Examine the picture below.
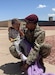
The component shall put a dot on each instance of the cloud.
(53, 9)
(51, 15)
(41, 6)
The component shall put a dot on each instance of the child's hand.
(12, 40)
(15, 39)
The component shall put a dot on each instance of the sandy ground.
(8, 64)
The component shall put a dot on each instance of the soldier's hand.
(45, 50)
(25, 67)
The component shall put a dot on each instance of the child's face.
(31, 26)
(16, 25)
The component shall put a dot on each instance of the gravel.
(51, 58)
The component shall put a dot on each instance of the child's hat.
(32, 18)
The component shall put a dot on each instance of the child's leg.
(13, 51)
(22, 56)
(16, 43)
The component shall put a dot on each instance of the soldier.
(34, 40)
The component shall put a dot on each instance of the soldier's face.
(31, 26)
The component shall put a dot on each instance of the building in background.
(50, 18)
(7, 23)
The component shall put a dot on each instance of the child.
(33, 39)
(14, 36)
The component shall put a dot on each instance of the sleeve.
(10, 33)
(45, 50)
(41, 37)
(32, 56)
(34, 52)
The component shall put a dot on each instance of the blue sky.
(21, 8)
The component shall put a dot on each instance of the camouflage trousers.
(13, 51)
(25, 48)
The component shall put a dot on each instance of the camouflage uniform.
(36, 41)
(35, 38)
(13, 51)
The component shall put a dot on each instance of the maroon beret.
(32, 18)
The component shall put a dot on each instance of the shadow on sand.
(11, 68)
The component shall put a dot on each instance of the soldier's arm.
(41, 37)
(34, 52)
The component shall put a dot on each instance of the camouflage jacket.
(36, 38)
